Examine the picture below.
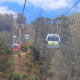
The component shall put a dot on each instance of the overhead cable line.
(68, 11)
(72, 7)
(23, 10)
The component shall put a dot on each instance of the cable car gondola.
(14, 37)
(27, 36)
(15, 47)
(53, 41)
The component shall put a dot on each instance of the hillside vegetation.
(36, 61)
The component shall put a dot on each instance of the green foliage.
(51, 72)
(35, 71)
(35, 53)
(27, 53)
(30, 64)
(24, 76)
(77, 78)
(36, 63)
(36, 66)
(6, 22)
(16, 76)
(6, 39)
(35, 78)
(28, 69)
(19, 18)
(22, 65)
(4, 49)
(28, 56)
(5, 63)
(16, 52)
(1, 73)
(8, 63)
(41, 69)
(24, 48)
(19, 55)
(10, 77)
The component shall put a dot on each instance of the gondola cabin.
(14, 37)
(15, 47)
(27, 36)
(53, 41)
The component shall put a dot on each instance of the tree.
(19, 17)
(6, 39)
(5, 62)
(35, 78)
(24, 76)
(6, 21)
(16, 76)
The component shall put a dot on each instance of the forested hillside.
(65, 60)
(57, 64)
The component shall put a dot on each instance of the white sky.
(4, 9)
